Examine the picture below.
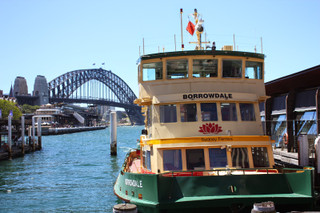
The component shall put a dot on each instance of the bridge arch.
(62, 87)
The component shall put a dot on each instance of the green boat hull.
(290, 191)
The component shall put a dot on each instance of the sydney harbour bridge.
(91, 86)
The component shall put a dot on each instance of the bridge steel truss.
(62, 87)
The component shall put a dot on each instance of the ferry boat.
(203, 147)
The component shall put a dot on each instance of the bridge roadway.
(105, 102)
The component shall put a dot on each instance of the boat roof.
(201, 52)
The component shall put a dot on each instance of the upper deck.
(187, 89)
(200, 71)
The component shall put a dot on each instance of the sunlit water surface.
(72, 173)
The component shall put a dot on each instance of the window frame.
(234, 112)
(209, 155)
(216, 112)
(261, 73)
(186, 76)
(195, 115)
(155, 71)
(245, 115)
(230, 76)
(205, 59)
(203, 166)
(180, 154)
(163, 116)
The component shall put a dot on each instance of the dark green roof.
(202, 52)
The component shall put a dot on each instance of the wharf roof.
(302, 80)
(202, 52)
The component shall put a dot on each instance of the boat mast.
(199, 30)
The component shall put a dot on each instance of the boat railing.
(130, 156)
(234, 171)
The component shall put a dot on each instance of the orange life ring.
(285, 138)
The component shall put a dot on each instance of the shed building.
(294, 107)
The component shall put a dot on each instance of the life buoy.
(285, 138)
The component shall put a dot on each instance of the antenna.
(143, 45)
(175, 43)
(261, 45)
(234, 41)
(182, 45)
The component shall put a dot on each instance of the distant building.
(6, 97)
(40, 94)
(41, 90)
(20, 87)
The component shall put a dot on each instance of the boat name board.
(216, 139)
(193, 96)
(133, 183)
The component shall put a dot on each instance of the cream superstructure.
(196, 90)
(202, 100)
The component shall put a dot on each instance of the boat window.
(168, 113)
(195, 159)
(146, 159)
(240, 158)
(253, 70)
(205, 68)
(152, 71)
(218, 157)
(228, 112)
(232, 69)
(209, 111)
(188, 112)
(172, 160)
(177, 69)
(260, 157)
(247, 112)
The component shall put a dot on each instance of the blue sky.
(52, 37)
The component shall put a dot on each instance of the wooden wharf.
(16, 140)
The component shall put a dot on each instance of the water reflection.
(72, 173)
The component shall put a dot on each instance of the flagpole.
(182, 45)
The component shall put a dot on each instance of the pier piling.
(303, 150)
(22, 135)
(39, 133)
(113, 133)
(33, 135)
(125, 208)
(10, 136)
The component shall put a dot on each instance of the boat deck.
(135, 166)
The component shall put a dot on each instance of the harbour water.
(72, 173)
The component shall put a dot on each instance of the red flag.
(190, 28)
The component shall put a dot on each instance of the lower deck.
(206, 153)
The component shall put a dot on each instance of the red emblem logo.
(210, 128)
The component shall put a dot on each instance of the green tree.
(6, 106)
(27, 109)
